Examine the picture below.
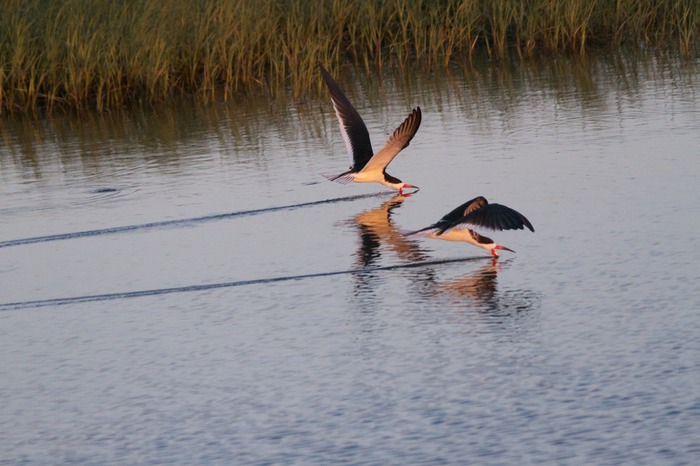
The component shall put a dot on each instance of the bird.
(459, 224)
(368, 167)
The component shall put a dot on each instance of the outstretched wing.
(398, 141)
(479, 213)
(449, 220)
(352, 128)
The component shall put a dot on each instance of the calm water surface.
(582, 348)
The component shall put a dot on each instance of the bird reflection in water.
(377, 232)
(479, 291)
(379, 235)
(479, 287)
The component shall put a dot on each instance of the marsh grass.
(98, 54)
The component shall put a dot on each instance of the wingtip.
(329, 80)
(417, 112)
(324, 73)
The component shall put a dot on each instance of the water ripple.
(211, 286)
(182, 221)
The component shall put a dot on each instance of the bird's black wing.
(352, 128)
(398, 141)
(452, 218)
(493, 217)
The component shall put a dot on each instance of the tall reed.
(100, 54)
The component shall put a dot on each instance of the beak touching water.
(408, 186)
(498, 246)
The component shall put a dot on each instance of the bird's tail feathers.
(415, 234)
(343, 178)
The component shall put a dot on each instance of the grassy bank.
(79, 54)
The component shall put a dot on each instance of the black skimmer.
(458, 225)
(368, 167)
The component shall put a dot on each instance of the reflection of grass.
(77, 54)
(484, 99)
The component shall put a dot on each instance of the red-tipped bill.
(409, 186)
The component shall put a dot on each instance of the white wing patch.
(344, 133)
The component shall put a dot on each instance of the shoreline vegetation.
(79, 55)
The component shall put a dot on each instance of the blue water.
(307, 335)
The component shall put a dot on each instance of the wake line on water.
(213, 286)
(182, 221)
